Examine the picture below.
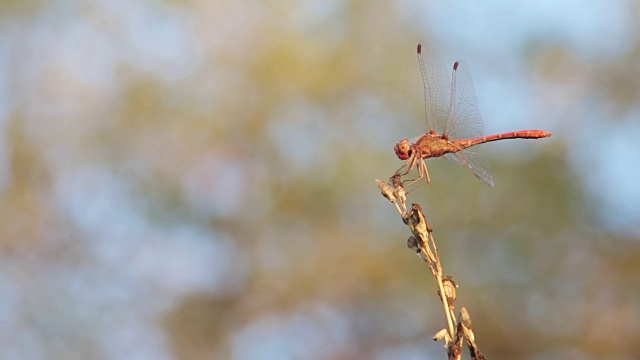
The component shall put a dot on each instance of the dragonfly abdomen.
(521, 134)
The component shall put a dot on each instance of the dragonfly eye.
(403, 149)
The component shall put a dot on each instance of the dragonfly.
(454, 123)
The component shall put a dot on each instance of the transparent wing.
(453, 157)
(476, 162)
(463, 120)
(435, 79)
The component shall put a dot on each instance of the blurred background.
(194, 180)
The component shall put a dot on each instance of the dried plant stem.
(423, 243)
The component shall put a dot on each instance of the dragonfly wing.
(435, 79)
(453, 157)
(463, 120)
(474, 161)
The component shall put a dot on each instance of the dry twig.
(423, 243)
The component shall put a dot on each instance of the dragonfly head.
(403, 149)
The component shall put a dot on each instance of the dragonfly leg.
(418, 187)
(423, 169)
(422, 172)
(409, 164)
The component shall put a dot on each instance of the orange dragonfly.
(453, 129)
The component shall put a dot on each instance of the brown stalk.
(423, 243)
